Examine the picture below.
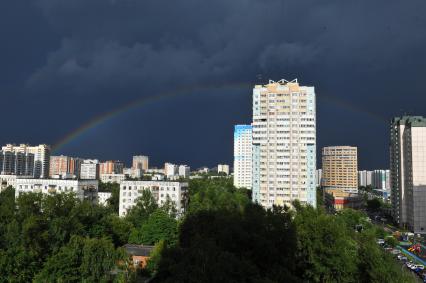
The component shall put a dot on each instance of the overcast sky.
(63, 63)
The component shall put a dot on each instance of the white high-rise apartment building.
(284, 143)
(243, 156)
(408, 172)
(40, 153)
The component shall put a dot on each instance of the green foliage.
(326, 252)
(320, 197)
(144, 207)
(216, 194)
(223, 238)
(35, 228)
(159, 227)
(374, 204)
(391, 241)
(232, 246)
(107, 187)
(81, 260)
(114, 201)
(375, 265)
(254, 245)
(154, 260)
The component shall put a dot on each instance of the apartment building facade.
(25, 160)
(83, 189)
(130, 191)
(243, 143)
(408, 172)
(340, 168)
(284, 143)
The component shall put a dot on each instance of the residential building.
(318, 177)
(381, 179)
(64, 165)
(243, 156)
(112, 178)
(83, 189)
(138, 254)
(111, 167)
(26, 160)
(365, 178)
(408, 172)
(340, 168)
(103, 198)
(223, 168)
(133, 172)
(6, 181)
(140, 162)
(130, 191)
(184, 171)
(203, 170)
(337, 199)
(284, 143)
(89, 169)
(155, 171)
(17, 163)
(170, 170)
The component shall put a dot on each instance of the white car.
(395, 251)
(417, 266)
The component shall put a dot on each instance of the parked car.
(380, 241)
(417, 266)
(395, 251)
(401, 257)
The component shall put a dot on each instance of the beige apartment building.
(340, 168)
(140, 162)
(284, 143)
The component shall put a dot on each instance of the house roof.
(138, 250)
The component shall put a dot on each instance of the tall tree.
(159, 227)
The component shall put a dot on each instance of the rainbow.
(109, 115)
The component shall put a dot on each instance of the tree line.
(222, 237)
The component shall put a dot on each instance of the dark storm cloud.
(363, 53)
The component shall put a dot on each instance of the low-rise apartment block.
(83, 189)
(130, 191)
(103, 198)
(112, 178)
